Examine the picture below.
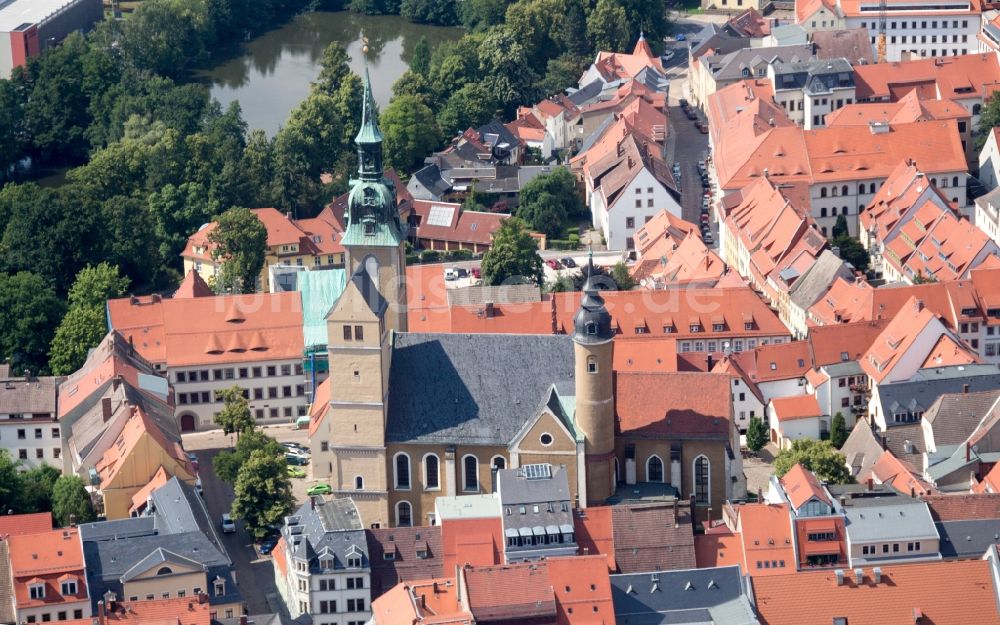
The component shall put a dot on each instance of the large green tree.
(235, 415)
(410, 131)
(756, 434)
(513, 255)
(71, 501)
(240, 241)
(838, 430)
(12, 131)
(819, 457)
(85, 323)
(851, 250)
(227, 463)
(10, 484)
(470, 107)
(441, 12)
(29, 314)
(37, 488)
(263, 492)
(548, 201)
(622, 276)
(506, 69)
(607, 26)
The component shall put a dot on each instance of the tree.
(420, 57)
(334, 69)
(549, 200)
(607, 26)
(240, 241)
(989, 118)
(227, 463)
(37, 486)
(513, 256)
(819, 457)
(410, 132)
(441, 12)
(81, 329)
(470, 107)
(235, 414)
(482, 14)
(852, 251)
(71, 501)
(756, 434)
(561, 284)
(263, 492)
(12, 135)
(96, 284)
(505, 68)
(838, 430)
(622, 277)
(840, 228)
(29, 314)
(10, 484)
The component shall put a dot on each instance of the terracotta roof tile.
(964, 507)
(406, 564)
(594, 533)
(766, 530)
(722, 548)
(797, 407)
(647, 538)
(34, 523)
(953, 77)
(512, 591)
(193, 285)
(906, 590)
(681, 405)
(45, 557)
(582, 589)
(801, 485)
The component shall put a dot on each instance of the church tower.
(595, 402)
(375, 236)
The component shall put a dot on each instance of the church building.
(409, 417)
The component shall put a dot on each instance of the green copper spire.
(372, 214)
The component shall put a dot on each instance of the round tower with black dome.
(595, 404)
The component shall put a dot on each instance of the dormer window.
(69, 587)
(326, 563)
(591, 328)
(422, 553)
(718, 327)
(36, 591)
(388, 555)
(354, 563)
(369, 228)
(748, 325)
(695, 327)
(220, 587)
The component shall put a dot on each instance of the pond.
(273, 74)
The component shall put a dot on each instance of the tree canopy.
(756, 434)
(410, 130)
(71, 501)
(820, 457)
(838, 430)
(549, 201)
(85, 323)
(513, 256)
(240, 241)
(263, 492)
(235, 415)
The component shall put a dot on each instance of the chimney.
(100, 612)
(870, 483)
(106, 408)
(919, 305)
(72, 520)
(859, 576)
(709, 361)
(155, 298)
(968, 450)
(840, 576)
(760, 494)
(555, 319)
(490, 310)
(913, 492)
(877, 575)
(884, 441)
(586, 551)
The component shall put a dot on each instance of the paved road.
(254, 573)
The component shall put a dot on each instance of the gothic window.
(702, 475)
(404, 514)
(499, 463)
(654, 469)
(470, 466)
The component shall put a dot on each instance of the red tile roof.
(909, 108)
(139, 424)
(930, 590)
(231, 328)
(648, 537)
(897, 338)
(797, 407)
(317, 409)
(404, 543)
(510, 591)
(767, 539)
(829, 344)
(45, 557)
(679, 405)
(719, 549)
(950, 77)
(176, 611)
(900, 475)
(114, 356)
(15, 524)
(464, 226)
(582, 589)
(964, 507)
(594, 533)
(801, 485)
(193, 285)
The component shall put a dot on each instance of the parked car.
(462, 273)
(701, 166)
(319, 489)
(680, 37)
(296, 459)
(708, 238)
(691, 114)
(197, 486)
(702, 127)
(450, 275)
(704, 218)
(294, 471)
(193, 459)
(267, 545)
(568, 262)
(476, 273)
(554, 264)
(228, 525)
(684, 103)
(296, 448)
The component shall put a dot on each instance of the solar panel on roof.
(440, 215)
(537, 471)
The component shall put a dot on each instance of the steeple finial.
(369, 131)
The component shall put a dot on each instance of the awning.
(552, 530)
(524, 531)
(538, 530)
(566, 529)
(827, 547)
(821, 525)
(510, 532)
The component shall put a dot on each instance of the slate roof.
(862, 449)
(158, 557)
(850, 43)
(91, 427)
(731, 66)
(587, 93)
(967, 539)
(326, 525)
(955, 416)
(646, 539)
(471, 389)
(818, 278)
(713, 595)
(405, 565)
(714, 37)
(19, 395)
(924, 388)
(430, 177)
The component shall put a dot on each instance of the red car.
(704, 218)
(554, 264)
(476, 273)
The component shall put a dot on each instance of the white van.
(228, 526)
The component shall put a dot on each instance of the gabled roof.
(767, 539)
(33, 523)
(159, 557)
(193, 285)
(649, 537)
(852, 44)
(512, 591)
(797, 407)
(896, 340)
(370, 294)
(964, 507)
(950, 77)
(801, 486)
(928, 590)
